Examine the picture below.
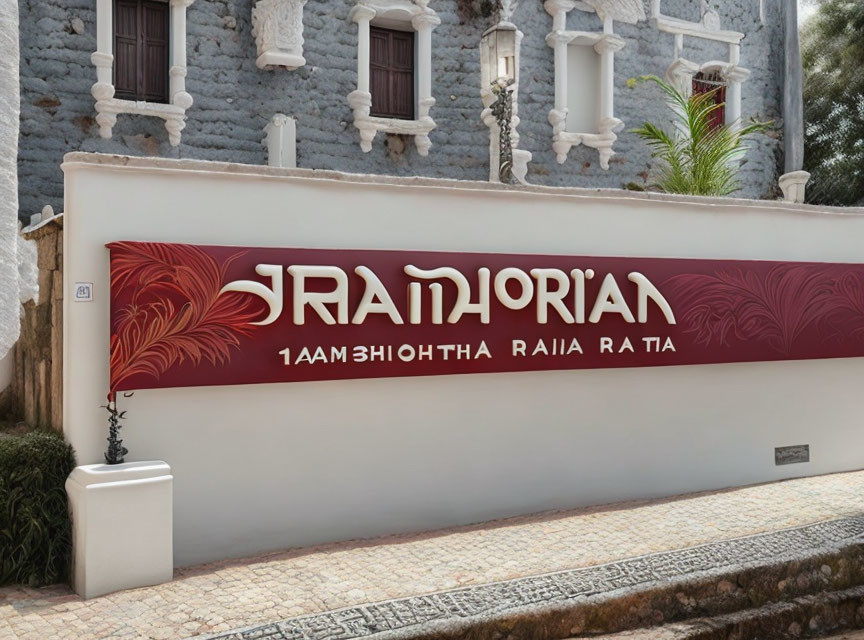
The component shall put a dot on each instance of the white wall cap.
(94, 474)
(75, 160)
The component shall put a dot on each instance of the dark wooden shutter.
(155, 45)
(379, 71)
(703, 83)
(141, 33)
(391, 66)
(126, 49)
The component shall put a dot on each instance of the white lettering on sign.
(536, 348)
(385, 353)
(551, 290)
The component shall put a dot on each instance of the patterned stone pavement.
(475, 603)
(547, 556)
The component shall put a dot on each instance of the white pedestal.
(793, 185)
(281, 141)
(121, 526)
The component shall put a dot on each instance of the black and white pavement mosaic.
(403, 614)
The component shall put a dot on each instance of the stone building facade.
(234, 99)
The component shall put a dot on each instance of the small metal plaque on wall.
(792, 455)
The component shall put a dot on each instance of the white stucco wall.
(281, 465)
(9, 113)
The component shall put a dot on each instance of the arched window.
(704, 82)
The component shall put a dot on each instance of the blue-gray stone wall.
(234, 99)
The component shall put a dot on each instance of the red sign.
(185, 315)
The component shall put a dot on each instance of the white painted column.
(178, 50)
(177, 73)
(734, 76)
(363, 16)
(423, 25)
(608, 124)
(10, 102)
(559, 25)
(561, 75)
(606, 48)
(103, 60)
(103, 57)
(558, 116)
(733, 104)
(360, 100)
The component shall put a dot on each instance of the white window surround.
(681, 71)
(395, 14)
(108, 107)
(605, 43)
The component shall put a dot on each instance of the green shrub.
(704, 160)
(35, 531)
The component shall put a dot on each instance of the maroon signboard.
(184, 315)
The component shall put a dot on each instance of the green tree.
(702, 162)
(833, 56)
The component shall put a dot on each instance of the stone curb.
(711, 579)
(811, 616)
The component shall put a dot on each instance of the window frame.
(606, 44)
(403, 15)
(109, 105)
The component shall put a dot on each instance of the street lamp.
(501, 45)
(501, 49)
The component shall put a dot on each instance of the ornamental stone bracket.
(277, 26)
(417, 16)
(606, 44)
(108, 107)
(369, 126)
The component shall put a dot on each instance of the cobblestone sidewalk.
(219, 597)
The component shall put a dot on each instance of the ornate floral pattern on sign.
(171, 311)
(775, 309)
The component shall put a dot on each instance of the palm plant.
(702, 159)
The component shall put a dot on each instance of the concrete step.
(811, 616)
(797, 585)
